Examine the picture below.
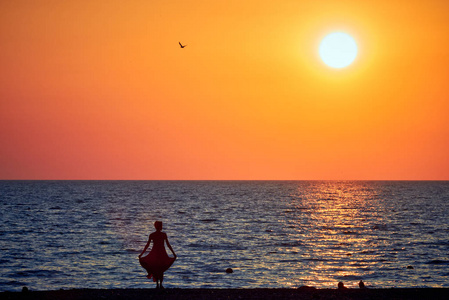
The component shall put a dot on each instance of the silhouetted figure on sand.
(157, 261)
(361, 284)
(341, 286)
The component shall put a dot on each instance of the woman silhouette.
(157, 261)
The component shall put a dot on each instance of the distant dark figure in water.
(341, 286)
(361, 284)
(157, 261)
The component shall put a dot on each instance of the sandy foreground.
(216, 294)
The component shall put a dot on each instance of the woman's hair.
(158, 225)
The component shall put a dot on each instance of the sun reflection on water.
(332, 220)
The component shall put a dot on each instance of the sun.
(338, 50)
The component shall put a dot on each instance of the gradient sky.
(101, 90)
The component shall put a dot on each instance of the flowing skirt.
(156, 263)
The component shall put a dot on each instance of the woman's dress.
(157, 261)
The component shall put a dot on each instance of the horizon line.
(416, 180)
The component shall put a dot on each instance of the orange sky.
(102, 90)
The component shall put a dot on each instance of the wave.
(438, 262)
(39, 273)
(208, 220)
(349, 277)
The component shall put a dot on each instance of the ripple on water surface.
(76, 234)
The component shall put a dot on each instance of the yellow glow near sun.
(338, 50)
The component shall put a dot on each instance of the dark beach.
(216, 294)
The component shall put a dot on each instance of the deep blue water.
(88, 234)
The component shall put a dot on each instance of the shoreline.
(217, 294)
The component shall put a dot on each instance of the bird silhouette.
(182, 46)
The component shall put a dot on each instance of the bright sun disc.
(338, 50)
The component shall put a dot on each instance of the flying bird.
(182, 46)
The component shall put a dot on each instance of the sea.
(272, 234)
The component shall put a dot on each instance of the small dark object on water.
(341, 286)
(361, 284)
(410, 267)
(25, 289)
(348, 254)
(229, 271)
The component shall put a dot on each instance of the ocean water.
(88, 234)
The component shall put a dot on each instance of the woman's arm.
(169, 246)
(146, 247)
